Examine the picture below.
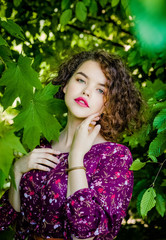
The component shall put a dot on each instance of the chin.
(79, 115)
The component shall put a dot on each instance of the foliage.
(35, 37)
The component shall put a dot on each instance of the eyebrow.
(83, 74)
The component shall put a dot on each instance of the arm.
(41, 159)
(14, 193)
(82, 142)
(98, 210)
(77, 178)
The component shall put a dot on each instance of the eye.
(100, 91)
(80, 80)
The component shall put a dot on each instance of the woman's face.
(85, 91)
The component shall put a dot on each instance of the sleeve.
(97, 211)
(7, 212)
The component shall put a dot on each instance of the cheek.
(100, 100)
(98, 103)
(71, 88)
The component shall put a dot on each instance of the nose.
(86, 92)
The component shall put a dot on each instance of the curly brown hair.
(123, 100)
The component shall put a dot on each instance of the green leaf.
(153, 89)
(146, 66)
(163, 184)
(154, 159)
(139, 198)
(159, 106)
(65, 4)
(87, 2)
(66, 17)
(134, 58)
(160, 95)
(160, 121)
(57, 107)
(160, 204)
(139, 137)
(137, 165)
(159, 71)
(158, 145)
(8, 143)
(19, 79)
(114, 3)
(103, 3)
(162, 128)
(93, 8)
(81, 11)
(12, 28)
(36, 119)
(17, 3)
(125, 3)
(148, 201)
(5, 53)
(2, 180)
(49, 91)
(3, 41)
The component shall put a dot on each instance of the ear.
(65, 88)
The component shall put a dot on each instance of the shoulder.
(114, 153)
(111, 147)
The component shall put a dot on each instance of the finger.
(95, 131)
(96, 118)
(89, 119)
(41, 167)
(37, 156)
(49, 157)
(93, 122)
(47, 163)
(47, 150)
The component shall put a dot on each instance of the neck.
(68, 132)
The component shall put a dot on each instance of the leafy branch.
(110, 21)
(92, 34)
(161, 165)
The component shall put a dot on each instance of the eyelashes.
(100, 91)
(80, 80)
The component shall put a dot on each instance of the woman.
(79, 187)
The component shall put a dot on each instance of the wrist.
(75, 168)
(75, 160)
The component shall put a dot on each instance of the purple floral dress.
(96, 211)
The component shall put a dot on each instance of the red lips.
(81, 101)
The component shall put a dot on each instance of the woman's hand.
(85, 135)
(40, 158)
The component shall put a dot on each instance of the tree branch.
(110, 21)
(92, 34)
(161, 165)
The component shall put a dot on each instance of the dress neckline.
(102, 143)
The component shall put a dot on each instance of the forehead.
(92, 70)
